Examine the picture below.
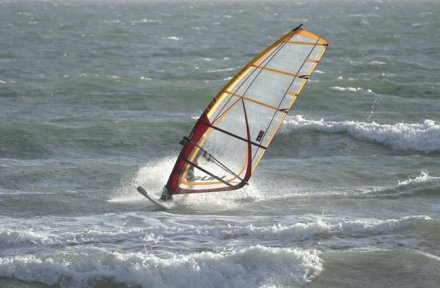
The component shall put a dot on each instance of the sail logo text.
(204, 178)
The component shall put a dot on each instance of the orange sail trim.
(230, 138)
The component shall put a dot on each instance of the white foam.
(362, 15)
(19, 237)
(67, 233)
(79, 251)
(424, 137)
(308, 230)
(144, 21)
(221, 70)
(174, 38)
(256, 266)
(219, 200)
(207, 59)
(420, 24)
(377, 226)
(79, 258)
(349, 89)
(292, 232)
(429, 255)
(424, 177)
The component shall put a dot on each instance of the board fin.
(159, 203)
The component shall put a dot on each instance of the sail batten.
(240, 123)
(253, 100)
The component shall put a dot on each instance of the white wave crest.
(67, 234)
(424, 177)
(221, 70)
(174, 38)
(377, 62)
(424, 137)
(255, 266)
(251, 267)
(368, 227)
(349, 89)
(315, 229)
(144, 21)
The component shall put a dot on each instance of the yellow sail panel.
(233, 133)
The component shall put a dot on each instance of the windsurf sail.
(231, 136)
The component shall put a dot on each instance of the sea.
(96, 95)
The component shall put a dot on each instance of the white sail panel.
(265, 86)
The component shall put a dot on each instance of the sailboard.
(231, 136)
(159, 203)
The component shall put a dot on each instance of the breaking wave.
(165, 232)
(422, 185)
(236, 266)
(85, 257)
(424, 137)
(251, 267)
(424, 177)
(349, 89)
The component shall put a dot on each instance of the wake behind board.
(158, 203)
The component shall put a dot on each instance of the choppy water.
(94, 97)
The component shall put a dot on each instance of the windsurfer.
(166, 195)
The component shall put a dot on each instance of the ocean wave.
(221, 70)
(174, 38)
(362, 15)
(17, 238)
(422, 185)
(424, 177)
(424, 137)
(80, 251)
(145, 21)
(369, 227)
(255, 266)
(319, 228)
(428, 255)
(350, 228)
(420, 24)
(67, 234)
(350, 89)
(83, 252)
(377, 62)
